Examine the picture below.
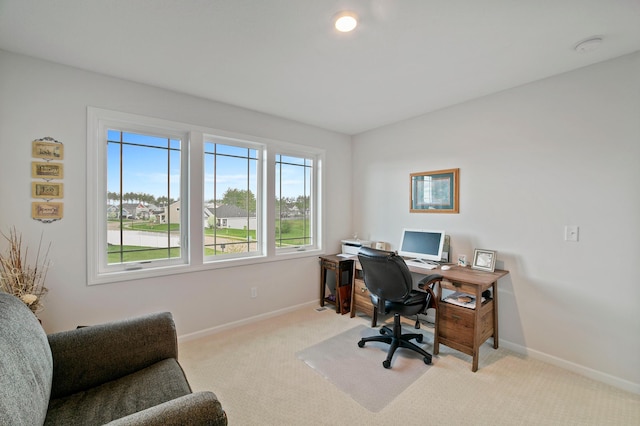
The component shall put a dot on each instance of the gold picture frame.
(47, 190)
(435, 192)
(46, 210)
(47, 170)
(47, 150)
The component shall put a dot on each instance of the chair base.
(396, 340)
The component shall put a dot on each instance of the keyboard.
(420, 264)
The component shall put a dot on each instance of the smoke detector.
(588, 45)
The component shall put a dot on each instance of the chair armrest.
(86, 357)
(200, 408)
(429, 280)
(427, 284)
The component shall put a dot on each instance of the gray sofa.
(120, 373)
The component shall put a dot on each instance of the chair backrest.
(386, 275)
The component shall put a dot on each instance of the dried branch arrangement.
(18, 277)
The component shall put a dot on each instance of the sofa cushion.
(26, 365)
(143, 389)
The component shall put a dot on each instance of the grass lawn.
(293, 231)
(139, 254)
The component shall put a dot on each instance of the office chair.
(390, 286)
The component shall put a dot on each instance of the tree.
(240, 198)
(113, 196)
(302, 203)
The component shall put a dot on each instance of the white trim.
(251, 320)
(571, 366)
(192, 192)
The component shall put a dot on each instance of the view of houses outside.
(143, 199)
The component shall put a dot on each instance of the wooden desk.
(343, 270)
(460, 328)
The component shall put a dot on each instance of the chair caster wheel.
(386, 363)
(419, 338)
(361, 344)
(427, 360)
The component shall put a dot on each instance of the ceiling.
(284, 58)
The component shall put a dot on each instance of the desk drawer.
(456, 323)
(327, 264)
(361, 297)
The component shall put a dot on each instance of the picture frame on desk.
(484, 260)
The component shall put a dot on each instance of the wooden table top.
(465, 274)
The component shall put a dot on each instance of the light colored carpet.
(359, 372)
(254, 371)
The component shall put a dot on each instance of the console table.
(458, 327)
(343, 270)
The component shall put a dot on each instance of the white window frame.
(261, 149)
(98, 123)
(315, 199)
(192, 192)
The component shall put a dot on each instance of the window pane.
(143, 193)
(231, 185)
(293, 201)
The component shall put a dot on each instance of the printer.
(351, 247)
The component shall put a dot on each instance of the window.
(231, 182)
(137, 180)
(166, 197)
(294, 211)
(143, 197)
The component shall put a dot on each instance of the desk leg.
(338, 298)
(494, 290)
(323, 277)
(436, 340)
(476, 330)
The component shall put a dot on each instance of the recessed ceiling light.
(588, 45)
(346, 21)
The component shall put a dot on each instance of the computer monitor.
(422, 245)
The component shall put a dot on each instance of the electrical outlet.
(571, 233)
(254, 292)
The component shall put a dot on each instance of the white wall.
(561, 151)
(39, 99)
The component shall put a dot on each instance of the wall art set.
(49, 189)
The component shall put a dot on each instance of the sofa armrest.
(200, 408)
(86, 357)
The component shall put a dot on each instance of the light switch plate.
(571, 233)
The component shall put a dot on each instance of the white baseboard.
(234, 324)
(571, 366)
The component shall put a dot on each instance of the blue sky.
(146, 168)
